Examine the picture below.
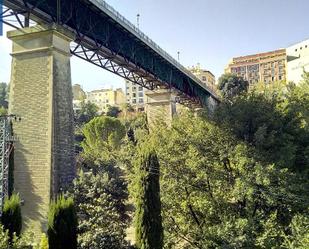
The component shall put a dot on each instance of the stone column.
(41, 95)
(161, 106)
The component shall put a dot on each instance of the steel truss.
(18, 14)
(6, 147)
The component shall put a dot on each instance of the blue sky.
(209, 32)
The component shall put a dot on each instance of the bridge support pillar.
(41, 95)
(161, 106)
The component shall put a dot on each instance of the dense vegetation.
(62, 224)
(234, 178)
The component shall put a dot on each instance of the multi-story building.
(204, 75)
(135, 96)
(264, 67)
(297, 61)
(106, 97)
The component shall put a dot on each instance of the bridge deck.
(105, 38)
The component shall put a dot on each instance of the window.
(280, 77)
(272, 78)
(107, 101)
(140, 94)
(141, 101)
(204, 78)
(140, 88)
(134, 95)
(295, 49)
(134, 88)
(301, 48)
(305, 46)
(134, 101)
(128, 93)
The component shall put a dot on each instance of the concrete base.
(41, 94)
(160, 107)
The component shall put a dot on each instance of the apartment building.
(263, 67)
(106, 97)
(135, 96)
(204, 75)
(297, 61)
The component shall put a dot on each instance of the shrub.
(62, 224)
(11, 216)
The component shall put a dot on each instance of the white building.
(135, 96)
(297, 61)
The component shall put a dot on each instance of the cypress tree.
(62, 224)
(148, 220)
(11, 215)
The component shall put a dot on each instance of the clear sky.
(209, 32)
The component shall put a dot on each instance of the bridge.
(41, 84)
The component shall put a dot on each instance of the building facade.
(204, 75)
(135, 96)
(297, 61)
(106, 97)
(264, 67)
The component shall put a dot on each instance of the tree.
(62, 224)
(100, 200)
(231, 85)
(88, 111)
(216, 193)
(11, 216)
(103, 136)
(113, 111)
(4, 95)
(101, 190)
(148, 220)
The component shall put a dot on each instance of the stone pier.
(161, 106)
(41, 95)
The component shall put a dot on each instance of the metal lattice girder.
(6, 146)
(106, 39)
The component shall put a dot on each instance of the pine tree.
(62, 224)
(149, 231)
(11, 216)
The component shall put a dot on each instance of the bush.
(11, 216)
(44, 242)
(62, 224)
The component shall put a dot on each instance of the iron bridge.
(105, 38)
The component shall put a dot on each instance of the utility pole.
(137, 20)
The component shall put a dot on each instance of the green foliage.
(113, 111)
(43, 242)
(62, 224)
(88, 111)
(24, 241)
(216, 193)
(11, 216)
(4, 95)
(231, 85)
(275, 124)
(103, 135)
(148, 220)
(299, 233)
(3, 111)
(101, 210)
(4, 238)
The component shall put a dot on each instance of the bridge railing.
(125, 22)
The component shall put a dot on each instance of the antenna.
(137, 20)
